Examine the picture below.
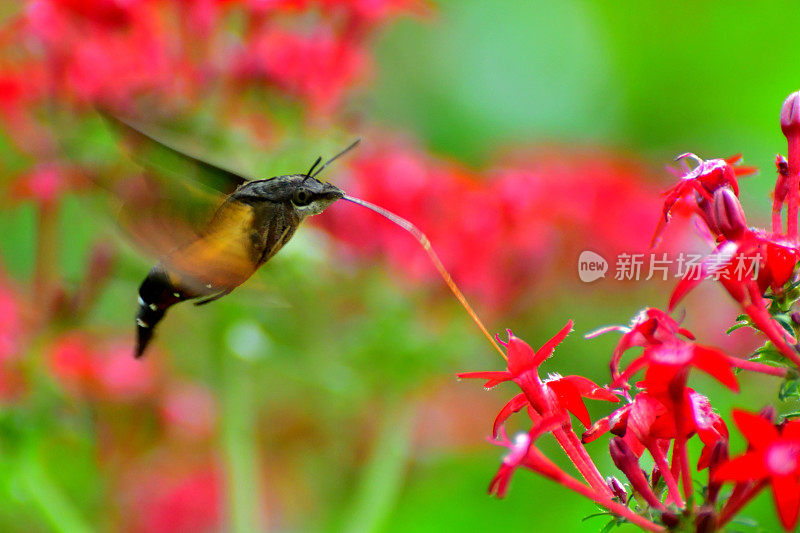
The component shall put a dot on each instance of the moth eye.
(301, 197)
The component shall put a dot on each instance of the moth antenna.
(337, 156)
(310, 170)
(426, 244)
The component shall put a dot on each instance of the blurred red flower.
(179, 504)
(190, 409)
(72, 359)
(318, 68)
(43, 184)
(101, 370)
(120, 376)
(11, 321)
(500, 231)
(373, 11)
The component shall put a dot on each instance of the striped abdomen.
(239, 239)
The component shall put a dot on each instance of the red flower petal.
(570, 398)
(749, 466)
(642, 415)
(786, 492)
(547, 348)
(715, 362)
(598, 429)
(521, 356)
(758, 431)
(636, 365)
(791, 430)
(517, 402)
(494, 376)
(499, 483)
(589, 389)
(694, 277)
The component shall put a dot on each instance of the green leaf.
(737, 325)
(768, 354)
(609, 526)
(790, 389)
(594, 515)
(785, 321)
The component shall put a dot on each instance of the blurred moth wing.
(210, 227)
(177, 208)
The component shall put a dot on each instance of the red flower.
(650, 327)
(297, 64)
(699, 184)
(755, 261)
(665, 352)
(665, 361)
(552, 399)
(522, 453)
(773, 259)
(554, 395)
(523, 362)
(652, 417)
(773, 455)
(646, 419)
(617, 424)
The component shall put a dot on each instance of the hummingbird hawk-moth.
(245, 222)
(248, 226)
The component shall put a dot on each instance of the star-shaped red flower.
(553, 395)
(774, 455)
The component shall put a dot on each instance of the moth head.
(311, 196)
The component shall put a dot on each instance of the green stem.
(383, 475)
(239, 443)
(55, 508)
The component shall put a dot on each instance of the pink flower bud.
(617, 488)
(626, 461)
(670, 519)
(728, 215)
(790, 115)
(706, 520)
(769, 412)
(719, 455)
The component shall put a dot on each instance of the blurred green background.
(337, 404)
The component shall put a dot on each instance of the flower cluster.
(214, 58)
(661, 413)
(179, 57)
(509, 202)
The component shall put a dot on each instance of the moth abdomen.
(157, 293)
